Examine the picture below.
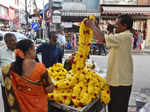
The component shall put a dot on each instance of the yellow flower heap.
(62, 82)
(57, 72)
(81, 86)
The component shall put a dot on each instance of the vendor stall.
(79, 88)
(95, 106)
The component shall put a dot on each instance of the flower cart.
(79, 89)
(95, 106)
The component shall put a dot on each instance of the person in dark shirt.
(51, 53)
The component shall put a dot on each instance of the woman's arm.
(47, 83)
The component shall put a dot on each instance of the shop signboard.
(56, 17)
(67, 24)
(48, 14)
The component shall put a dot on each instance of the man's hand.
(98, 34)
(90, 23)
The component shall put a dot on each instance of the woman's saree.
(27, 93)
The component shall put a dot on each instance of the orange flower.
(19, 53)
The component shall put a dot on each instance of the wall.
(91, 4)
(4, 9)
(14, 4)
(143, 2)
(120, 2)
(148, 33)
(4, 3)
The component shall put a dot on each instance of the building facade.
(9, 13)
(140, 14)
(91, 4)
(119, 2)
(143, 2)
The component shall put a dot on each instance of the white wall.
(91, 4)
(123, 2)
(9, 3)
(4, 3)
(12, 4)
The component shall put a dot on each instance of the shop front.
(71, 21)
(140, 14)
(14, 18)
(4, 18)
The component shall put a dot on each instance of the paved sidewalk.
(145, 51)
(140, 96)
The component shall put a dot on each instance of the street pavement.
(141, 76)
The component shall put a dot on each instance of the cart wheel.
(105, 108)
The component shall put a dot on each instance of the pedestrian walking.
(27, 83)
(139, 40)
(73, 41)
(6, 56)
(135, 37)
(61, 41)
(120, 65)
(51, 53)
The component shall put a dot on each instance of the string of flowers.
(80, 86)
(79, 61)
(84, 44)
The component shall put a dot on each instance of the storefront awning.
(4, 17)
(133, 9)
(80, 13)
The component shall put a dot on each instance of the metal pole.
(26, 12)
(50, 4)
(50, 7)
(43, 22)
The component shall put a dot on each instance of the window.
(72, 0)
(3, 11)
(77, 0)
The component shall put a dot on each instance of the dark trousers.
(6, 106)
(119, 98)
(62, 50)
(102, 47)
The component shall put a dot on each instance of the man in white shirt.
(120, 65)
(61, 41)
(6, 57)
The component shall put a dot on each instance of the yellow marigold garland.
(78, 66)
(81, 85)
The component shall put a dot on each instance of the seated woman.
(27, 82)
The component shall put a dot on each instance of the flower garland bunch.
(79, 63)
(57, 72)
(86, 34)
(80, 85)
